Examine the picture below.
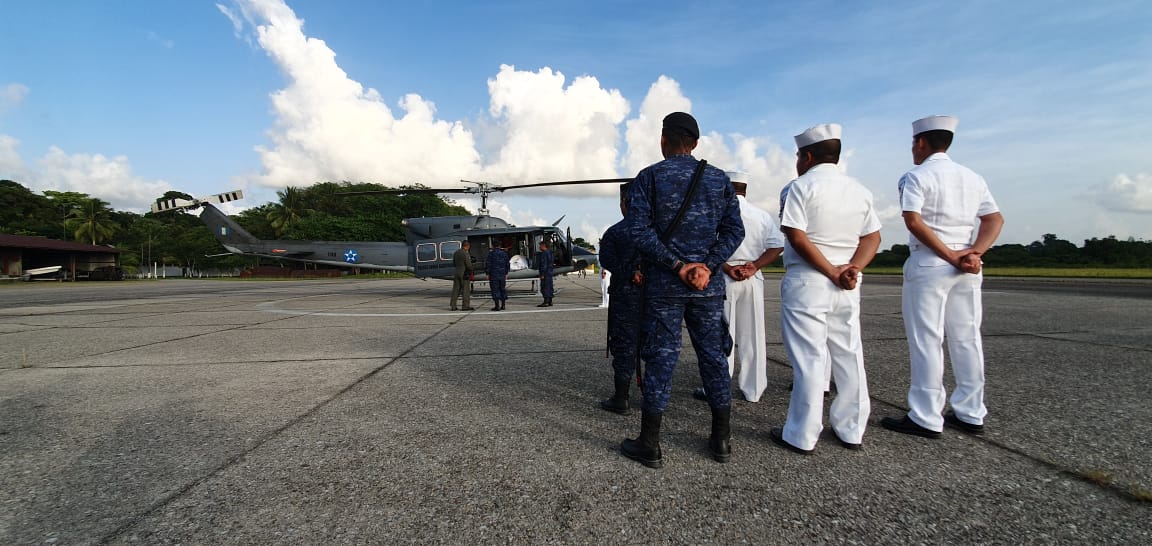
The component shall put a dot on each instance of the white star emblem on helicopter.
(351, 256)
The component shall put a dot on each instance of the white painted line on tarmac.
(269, 307)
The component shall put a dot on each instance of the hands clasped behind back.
(696, 275)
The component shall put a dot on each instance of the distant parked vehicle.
(106, 273)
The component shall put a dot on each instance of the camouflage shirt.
(497, 264)
(619, 256)
(709, 232)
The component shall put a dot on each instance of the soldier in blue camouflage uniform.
(682, 283)
(618, 255)
(544, 266)
(497, 266)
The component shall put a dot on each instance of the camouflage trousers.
(623, 327)
(660, 348)
(499, 289)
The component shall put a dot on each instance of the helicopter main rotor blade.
(407, 192)
(485, 188)
(566, 183)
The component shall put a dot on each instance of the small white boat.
(42, 270)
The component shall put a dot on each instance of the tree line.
(178, 239)
(1052, 251)
(319, 212)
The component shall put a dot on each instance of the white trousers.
(605, 276)
(744, 311)
(821, 326)
(939, 301)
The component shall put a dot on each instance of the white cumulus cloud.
(642, 133)
(1126, 193)
(540, 126)
(330, 127)
(551, 131)
(110, 179)
(10, 163)
(12, 95)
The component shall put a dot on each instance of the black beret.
(683, 122)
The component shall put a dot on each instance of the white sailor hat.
(819, 133)
(935, 123)
(739, 177)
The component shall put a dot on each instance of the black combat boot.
(646, 448)
(719, 443)
(496, 305)
(619, 401)
(543, 303)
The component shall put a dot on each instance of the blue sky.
(126, 100)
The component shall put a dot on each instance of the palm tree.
(289, 210)
(93, 221)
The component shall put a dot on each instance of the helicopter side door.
(434, 257)
(561, 254)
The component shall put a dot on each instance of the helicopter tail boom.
(227, 231)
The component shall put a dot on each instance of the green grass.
(1071, 272)
(1061, 272)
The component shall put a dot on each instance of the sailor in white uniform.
(744, 292)
(605, 280)
(952, 220)
(833, 233)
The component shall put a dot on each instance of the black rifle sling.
(664, 237)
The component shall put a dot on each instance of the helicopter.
(429, 242)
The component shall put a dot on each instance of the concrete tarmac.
(365, 412)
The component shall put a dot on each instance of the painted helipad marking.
(269, 307)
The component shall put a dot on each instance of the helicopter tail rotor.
(163, 205)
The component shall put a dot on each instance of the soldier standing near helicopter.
(685, 219)
(462, 276)
(621, 263)
(497, 266)
(544, 266)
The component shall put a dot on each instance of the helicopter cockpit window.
(426, 252)
(447, 248)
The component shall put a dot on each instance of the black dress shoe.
(847, 445)
(951, 420)
(777, 437)
(700, 394)
(468, 309)
(907, 426)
